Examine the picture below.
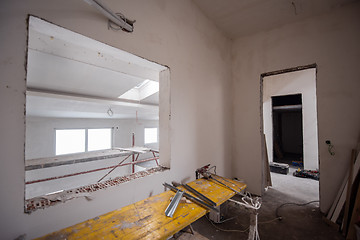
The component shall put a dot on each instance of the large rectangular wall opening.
(289, 124)
(87, 107)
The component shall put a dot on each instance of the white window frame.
(86, 138)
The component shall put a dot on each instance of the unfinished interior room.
(191, 119)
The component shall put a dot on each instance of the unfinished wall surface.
(302, 82)
(200, 68)
(332, 42)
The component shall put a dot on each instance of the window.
(151, 135)
(70, 141)
(99, 139)
(82, 140)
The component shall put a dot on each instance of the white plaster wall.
(332, 42)
(172, 33)
(40, 132)
(299, 82)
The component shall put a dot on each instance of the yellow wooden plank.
(146, 219)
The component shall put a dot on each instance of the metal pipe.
(110, 15)
(114, 168)
(194, 199)
(200, 195)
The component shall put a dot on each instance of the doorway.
(287, 129)
(289, 123)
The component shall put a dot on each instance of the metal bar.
(114, 168)
(170, 210)
(288, 107)
(212, 177)
(200, 195)
(194, 199)
(133, 156)
(157, 163)
(90, 171)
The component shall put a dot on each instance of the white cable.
(254, 204)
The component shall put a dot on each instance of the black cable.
(297, 204)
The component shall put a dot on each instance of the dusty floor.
(298, 222)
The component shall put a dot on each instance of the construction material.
(307, 174)
(279, 168)
(170, 210)
(193, 199)
(348, 192)
(198, 194)
(268, 182)
(146, 219)
(339, 202)
(355, 218)
(204, 171)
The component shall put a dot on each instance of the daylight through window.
(82, 140)
(151, 135)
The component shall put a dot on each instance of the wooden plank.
(342, 198)
(267, 166)
(330, 223)
(348, 192)
(354, 218)
(146, 219)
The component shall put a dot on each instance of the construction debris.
(307, 174)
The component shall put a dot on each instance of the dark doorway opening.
(288, 129)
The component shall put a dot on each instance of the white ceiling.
(70, 75)
(238, 18)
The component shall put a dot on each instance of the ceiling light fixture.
(110, 112)
(117, 18)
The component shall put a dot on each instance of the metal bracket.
(170, 210)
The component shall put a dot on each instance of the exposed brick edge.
(45, 201)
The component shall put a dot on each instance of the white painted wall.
(200, 66)
(299, 82)
(332, 42)
(40, 132)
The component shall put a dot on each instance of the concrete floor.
(298, 222)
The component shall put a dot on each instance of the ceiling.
(237, 18)
(70, 75)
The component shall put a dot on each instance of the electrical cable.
(226, 230)
(297, 204)
(265, 222)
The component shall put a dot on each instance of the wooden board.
(348, 193)
(146, 219)
(268, 182)
(354, 217)
(342, 198)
